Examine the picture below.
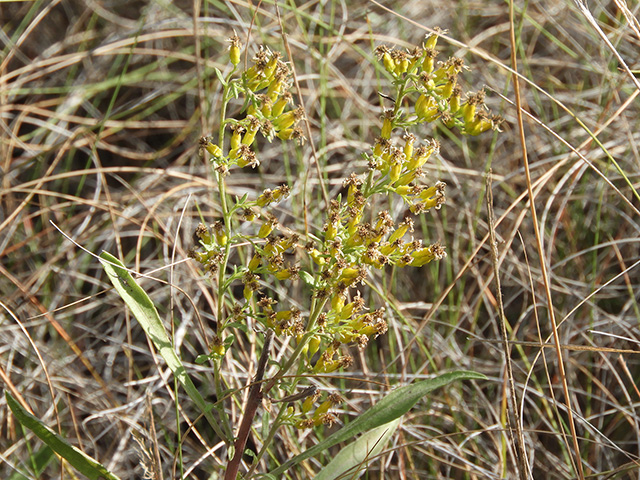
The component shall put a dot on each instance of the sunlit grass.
(102, 111)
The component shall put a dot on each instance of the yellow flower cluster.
(349, 247)
(437, 88)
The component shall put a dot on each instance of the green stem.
(222, 189)
(268, 441)
(227, 249)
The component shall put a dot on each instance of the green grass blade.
(391, 407)
(145, 312)
(40, 460)
(355, 456)
(78, 459)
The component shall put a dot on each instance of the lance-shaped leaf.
(145, 312)
(391, 407)
(82, 462)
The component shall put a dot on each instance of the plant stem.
(253, 402)
(223, 264)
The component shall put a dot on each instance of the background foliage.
(101, 108)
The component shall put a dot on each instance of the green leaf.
(200, 359)
(355, 456)
(307, 278)
(82, 462)
(145, 312)
(221, 77)
(392, 406)
(239, 325)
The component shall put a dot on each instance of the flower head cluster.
(436, 86)
(349, 248)
(265, 85)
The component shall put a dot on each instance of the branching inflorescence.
(343, 255)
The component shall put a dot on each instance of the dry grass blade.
(101, 108)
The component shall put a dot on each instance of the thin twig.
(514, 427)
(577, 461)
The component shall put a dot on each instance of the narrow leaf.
(356, 456)
(220, 77)
(82, 462)
(145, 312)
(391, 407)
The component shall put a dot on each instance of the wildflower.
(280, 104)
(265, 198)
(375, 330)
(255, 262)
(267, 226)
(387, 123)
(432, 39)
(287, 119)
(220, 233)
(426, 108)
(288, 273)
(352, 307)
(246, 157)
(248, 214)
(217, 346)
(409, 177)
(236, 135)
(406, 225)
(425, 255)
(202, 232)
(468, 110)
(455, 99)
(401, 62)
(409, 140)
(317, 256)
(383, 53)
(234, 50)
(252, 128)
(291, 134)
(415, 56)
(446, 90)
(352, 275)
(331, 401)
(309, 401)
(313, 345)
(422, 154)
(395, 166)
(251, 284)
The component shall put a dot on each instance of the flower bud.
(255, 262)
(234, 50)
(431, 41)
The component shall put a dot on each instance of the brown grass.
(101, 107)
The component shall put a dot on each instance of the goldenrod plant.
(336, 262)
(172, 365)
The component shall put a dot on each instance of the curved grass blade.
(145, 312)
(391, 407)
(82, 462)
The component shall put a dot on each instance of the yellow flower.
(387, 124)
(431, 40)
(267, 227)
(427, 254)
(234, 50)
